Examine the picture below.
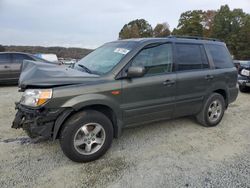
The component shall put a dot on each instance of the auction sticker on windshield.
(121, 50)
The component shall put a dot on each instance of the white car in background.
(67, 61)
(49, 57)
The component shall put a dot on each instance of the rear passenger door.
(17, 60)
(5, 61)
(193, 78)
(224, 71)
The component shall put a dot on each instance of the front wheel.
(212, 111)
(86, 136)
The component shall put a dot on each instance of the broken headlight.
(36, 97)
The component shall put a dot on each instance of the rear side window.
(220, 56)
(5, 58)
(191, 57)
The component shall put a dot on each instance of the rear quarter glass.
(220, 56)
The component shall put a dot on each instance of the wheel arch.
(107, 111)
(103, 108)
(224, 94)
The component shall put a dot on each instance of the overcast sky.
(89, 23)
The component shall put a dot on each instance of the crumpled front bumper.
(243, 80)
(38, 122)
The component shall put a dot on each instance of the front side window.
(220, 56)
(104, 58)
(155, 58)
(191, 57)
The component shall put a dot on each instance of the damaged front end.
(37, 81)
(243, 73)
(36, 122)
(45, 75)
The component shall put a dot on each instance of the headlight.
(245, 72)
(36, 97)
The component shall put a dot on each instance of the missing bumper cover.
(37, 122)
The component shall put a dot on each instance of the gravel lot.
(176, 153)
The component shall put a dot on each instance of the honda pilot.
(121, 84)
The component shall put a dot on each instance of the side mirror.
(134, 72)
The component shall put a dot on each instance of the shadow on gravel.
(23, 140)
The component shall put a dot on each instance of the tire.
(243, 88)
(207, 116)
(79, 135)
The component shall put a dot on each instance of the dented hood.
(38, 74)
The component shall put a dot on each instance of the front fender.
(82, 101)
(85, 100)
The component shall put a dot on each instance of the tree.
(161, 30)
(190, 23)
(228, 25)
(2, 49)
(222, 23)
(242, 40)
(207, 22)
(139, 28)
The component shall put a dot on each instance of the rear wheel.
(213, 111)
(86, 136)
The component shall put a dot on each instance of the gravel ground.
(176, 153)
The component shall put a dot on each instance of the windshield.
(104, 58)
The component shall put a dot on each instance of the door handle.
(6, 66)
(209, 77)
(168, 82)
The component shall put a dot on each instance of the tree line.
(230, 26)
(76, 53)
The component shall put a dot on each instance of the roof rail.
(193, 37)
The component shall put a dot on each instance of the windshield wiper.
(85, 68)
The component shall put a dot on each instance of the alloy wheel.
(89, 138)
(214, 111)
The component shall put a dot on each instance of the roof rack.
(193, 37)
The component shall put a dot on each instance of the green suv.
(125, 83)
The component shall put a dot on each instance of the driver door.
(152, 96)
